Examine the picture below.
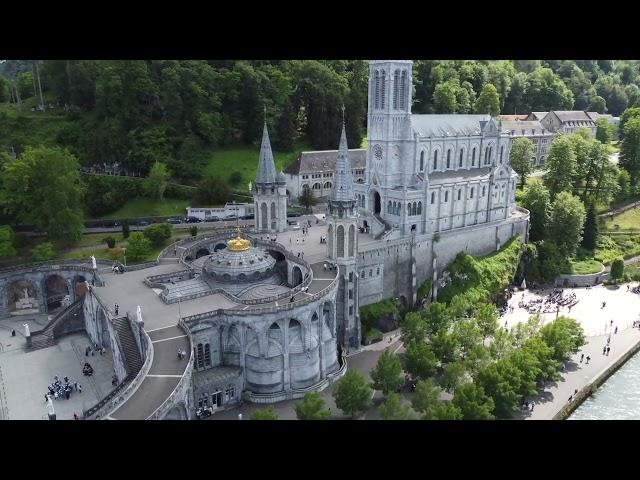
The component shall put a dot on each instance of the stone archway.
(55, 289)
(202, 252)
(296, 276)
(22, 297)
(79, 286)
(377, 203)
(178, 412)
(219, 246)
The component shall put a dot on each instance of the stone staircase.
(45, 338)
(387, 226)
(132, 358)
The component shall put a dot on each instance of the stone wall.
(581, 280)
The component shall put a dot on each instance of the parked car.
(294, 225)
(294, 214)
(233, 216)
(143, 223)
(204, 412)
(248, 217)
(192, 220)
(174, 221)
(212, 218)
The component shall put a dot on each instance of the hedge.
(370, 313)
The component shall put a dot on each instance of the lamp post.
(124, 254)
(50, 411)
(179, 307)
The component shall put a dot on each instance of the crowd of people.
(62, 388)
(551, 303)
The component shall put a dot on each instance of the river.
(617, 399)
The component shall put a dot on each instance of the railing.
(56, 265)
(183, 384)
(97, 410)
(59, 318)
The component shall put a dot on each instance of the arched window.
(473, 157)
(471, 195)
(409, 209)
(435, 160)
(460, 162)
(389, 207)
(398, 208)
(207, 355)
(200, 356)
(486, 155)
(459, 194)
(327, 185)
(501, 152)
(449, 158)
(403, 90)
(415, 208)
(490, 153)
(383, 89)
(340, 241)
(352, 239)
(316, 186)
(376, 94)
(484, 191)
(422, 161)
(420, 207)
(446, 196)
(396, 88)
(433, 198)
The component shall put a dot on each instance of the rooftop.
(321, 160)
(448, 125)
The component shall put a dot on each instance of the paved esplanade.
(160, 320)
(622, 306)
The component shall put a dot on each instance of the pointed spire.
(266, 165)
(343, 177)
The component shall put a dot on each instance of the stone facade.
(534, 131)
(569, 121)
(270, 191)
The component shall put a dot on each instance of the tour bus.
(229, 211)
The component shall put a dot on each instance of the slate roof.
(342, 190)
(323, 160)
(528, 125)
(512, 118)
(215, 375)
(448, 125)
(266, 166)
(538, 115)
(454, 176)
(572, 115)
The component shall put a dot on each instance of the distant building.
(568, 121)
(611, 120)
(230, 209)
(315, 170)
(513, 118)
(536, 116)
(534, 131)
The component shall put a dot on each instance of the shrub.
(125, 229)
(110, 241)
(43, 252)
(139, 246)
(424, 290)
(108, 193)
(370, 313)
(158, 234)
(193, 231)
(617, 268)
(115, 252)
(235, 178)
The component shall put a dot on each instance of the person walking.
(581, 358)
(616, 330)
(13, 332)
(588, 358)
(604, 350)
(608, 350)
(79, 388)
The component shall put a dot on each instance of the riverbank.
(554, 404)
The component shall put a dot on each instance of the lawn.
(611, 247)
(585, 267)
(225, 161)
(629, 220)
(145, 207)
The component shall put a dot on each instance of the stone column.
(320, 340)
(286, 379)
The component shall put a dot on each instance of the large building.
(534, 131)
(565, 121)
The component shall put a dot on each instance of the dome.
(239, 262)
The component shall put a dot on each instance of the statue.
(139, 314)
(93, 262)
(26, 293)
(27, 333)
(250, 185)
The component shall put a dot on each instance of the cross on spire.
(343, 114)
(265, 114)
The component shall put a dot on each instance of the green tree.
(630, 149)
(487, 319)
(414, 328)
(138, 246)
(628, 114)
(426, 395)
(566, 222)
(394, 409)
(43, 252)
(546, 91)
(501, 381)
(564, 336)
(560, 166)
(590, 235)
(110, 241)
(158, 234)
(443, 411)
(156, 182)
(536, 199)
(617, 268)
(43, 188)
(307, 199)
(468, 334)
(445, 346)
(604, 133)
(477, 359)
(212, 191)
(193, 231)
(125, 229)
(6, 241)
(419, 360)
(264, 414)
(235, 178)
(488, 101)
(437, 318)
(521, 158)
(453, 375)
(312, 407)
(444, 98)
(501, 345)
(472, 402)
(352, 394)
(387, 374)
(597, 104)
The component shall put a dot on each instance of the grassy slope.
(29, 128)
(629, 220)
(585, 267)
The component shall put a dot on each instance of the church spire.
(266, 165)
(343, 178)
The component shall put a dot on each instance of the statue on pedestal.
(139, 314)
(93, 262)
(27, 333)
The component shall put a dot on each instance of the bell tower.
(342, 246)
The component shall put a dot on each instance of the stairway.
(132, 358)
(45, 338)
(387, 226)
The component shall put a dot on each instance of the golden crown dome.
(238, 244)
